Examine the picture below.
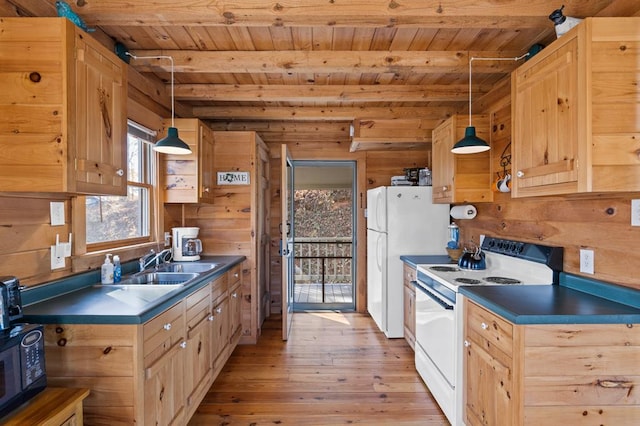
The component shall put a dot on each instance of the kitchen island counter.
(576, 300)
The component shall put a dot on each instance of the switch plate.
(56, 262)
(57, 213)
(635, 212)
(586, 261)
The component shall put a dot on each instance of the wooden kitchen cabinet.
(63, 124)
(189, 178)
(198, 366)
(154, 373)
(548, 373)
(574, 116)
(460, 178)
(235, 303)
(409, 274)
(165, 354)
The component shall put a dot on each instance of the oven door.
(435, 355)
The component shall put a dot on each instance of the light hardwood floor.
(335, 369)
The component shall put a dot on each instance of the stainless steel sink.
(189, 267)
(138, 295)
(158, 278)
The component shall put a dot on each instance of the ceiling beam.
(323, 61)
(374, 13)
(318, 113)
(326, 93)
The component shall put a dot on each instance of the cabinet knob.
(236, 275)
(219, 310)
(467, 343)
(120, 172)
(234, 295)
(167, 326)
(211, 318)
(205, 189)
(484, 326)
(445, 188)
(183, 345)
(520, 174)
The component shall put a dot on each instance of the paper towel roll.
(463, 212)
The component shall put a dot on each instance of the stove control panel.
(548, 255)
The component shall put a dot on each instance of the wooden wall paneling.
(26, 236)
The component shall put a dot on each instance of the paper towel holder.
(466, 211)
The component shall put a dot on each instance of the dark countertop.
(415, 260)
(577, 300)
(82, 300)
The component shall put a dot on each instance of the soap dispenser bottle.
(107, 270)
(117, 269)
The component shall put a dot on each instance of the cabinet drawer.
(198, 305)
(409, 273)
(234, 274)
(488, 326)
(219, 287)
(163, 331)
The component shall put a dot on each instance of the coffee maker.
(10, 302)
(185, 244)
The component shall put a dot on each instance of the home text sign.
(233, 178)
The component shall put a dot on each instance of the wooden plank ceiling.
(337, 60)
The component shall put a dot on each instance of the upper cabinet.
(189, 178)
(460, 178)
(63, 124)
(574, 110)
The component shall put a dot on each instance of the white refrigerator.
(401, 220)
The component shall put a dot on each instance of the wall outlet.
(586, 261)
(57, 262)
(635, 212)
(167, 239)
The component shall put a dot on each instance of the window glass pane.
(118, 218)
(134, 164)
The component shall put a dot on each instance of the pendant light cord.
(473, 58)
(170, 58)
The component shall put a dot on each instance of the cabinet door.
(488, 388)
(198, 355)
(205, 164)
(409, 314)
(443, 165)
(545, 111)
(235, 311)
(164, 399)
(220, 338)
(100, 120)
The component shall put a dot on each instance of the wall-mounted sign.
(233, 178)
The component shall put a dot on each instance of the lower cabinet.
(409, 274)
(549, 373)
(154, 373)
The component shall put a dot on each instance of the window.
(121, 220)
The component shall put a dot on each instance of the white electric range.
(439, 321)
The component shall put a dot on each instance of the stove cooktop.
(508, 263)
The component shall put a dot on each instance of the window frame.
(150, 169)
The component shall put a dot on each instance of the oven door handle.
(433, 296)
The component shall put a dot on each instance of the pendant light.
(170, 144)
(470, 143)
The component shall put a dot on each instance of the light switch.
(57, 213)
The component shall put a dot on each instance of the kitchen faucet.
(152, 256)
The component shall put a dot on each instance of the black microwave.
(22, 369)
